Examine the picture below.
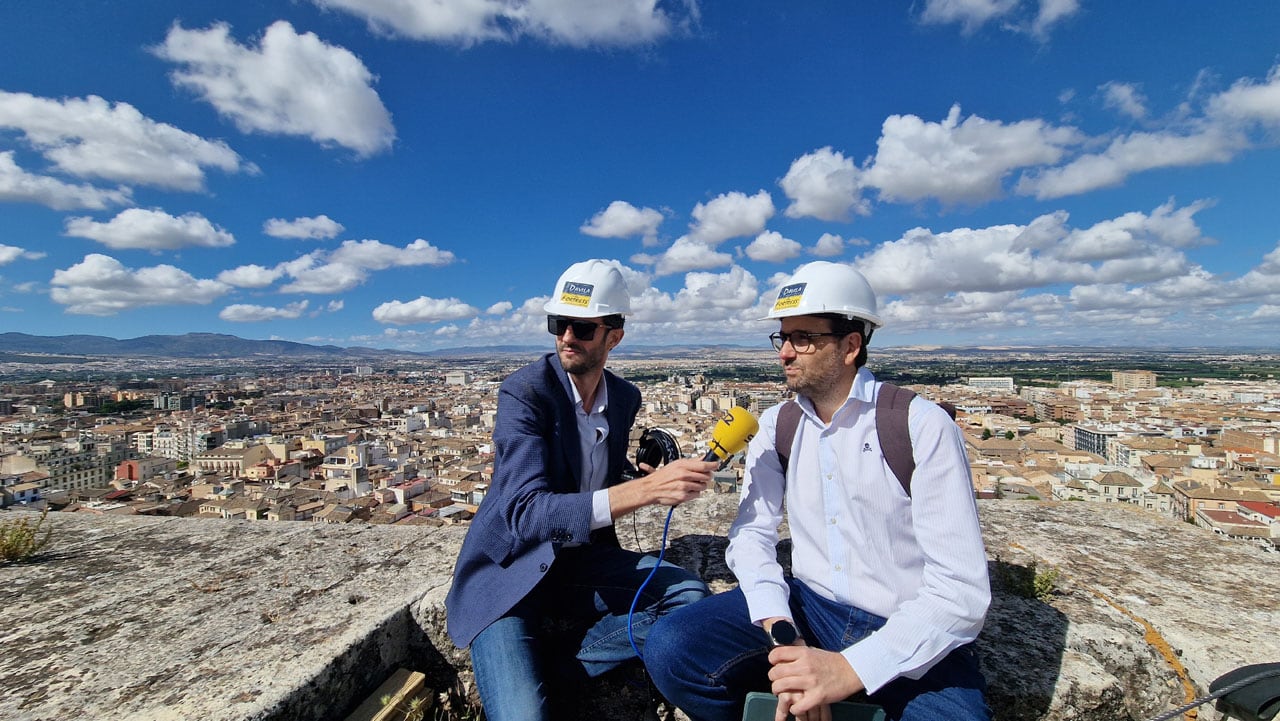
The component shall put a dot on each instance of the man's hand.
(808, 680)
(672, 484)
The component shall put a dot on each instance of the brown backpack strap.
(895, 436)
(785, 432)
(892, 430)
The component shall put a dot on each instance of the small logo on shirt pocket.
(866, 448)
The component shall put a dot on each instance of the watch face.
(782, 633)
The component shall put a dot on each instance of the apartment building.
(1093, 438)
(181, 441)
(1133, 380)
(71, 464)
(1002, 384)
(230, 460)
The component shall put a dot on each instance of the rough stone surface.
(1144, 606)
(166, 618)
(159, 618)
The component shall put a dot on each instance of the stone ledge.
(166, 618)
(161, 618)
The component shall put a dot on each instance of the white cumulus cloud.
(969, 14)
(320, 227)
(376, 255)
(1029, 17)
(577, 23)
(1134, 153)
(349, 265)
(10, 253)
(714, 299)
(423, 310)
(958, 161)
(1248, 100)
(771, 247)
(499, 308)
(324, 279)
(730, 215)
(683, 255)
(291, 84)
(1051, 13)
(19, 186)
(624, 220)
(91, 138)
(1217, 136)
(1134, 234)
(1135, 247)
(101, 285)
(136, 228)
(1125, 98)
(824, 184)
(251, 276)
(828, 246)
(245, 313)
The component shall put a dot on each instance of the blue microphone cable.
(662, 551)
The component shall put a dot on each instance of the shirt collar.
(602, 396)
(863, 389)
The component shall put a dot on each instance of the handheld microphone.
(732, 433)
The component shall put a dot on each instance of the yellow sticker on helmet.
(789, 297)
(578, 294)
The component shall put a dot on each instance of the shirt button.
(542, 567)
(838, 568)
(833, 521)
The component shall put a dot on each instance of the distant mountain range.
(221, 345)
(13, 346)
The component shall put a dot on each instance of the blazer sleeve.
(534, 492)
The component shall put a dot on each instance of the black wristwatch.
(783, 633)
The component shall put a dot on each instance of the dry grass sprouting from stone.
(20, 539)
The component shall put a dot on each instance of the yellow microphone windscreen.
(733, 432)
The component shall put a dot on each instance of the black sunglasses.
(582, 329)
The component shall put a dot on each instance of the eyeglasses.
(800, 340)
(582, 329)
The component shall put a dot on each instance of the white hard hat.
(825, 287)
(589, 289)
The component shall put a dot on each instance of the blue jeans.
(514, 659)
(706, 657)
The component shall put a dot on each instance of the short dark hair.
(614, 321)
(844, 326)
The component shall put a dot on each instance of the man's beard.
(585, 360)
(816, 380)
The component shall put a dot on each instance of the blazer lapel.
(567, 418)
(619, 431)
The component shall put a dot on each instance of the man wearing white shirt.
(889, 582)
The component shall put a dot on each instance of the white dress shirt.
(593, 434)
(858, 539)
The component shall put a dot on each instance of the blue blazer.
(534, 504)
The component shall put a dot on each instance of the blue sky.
(415, 173)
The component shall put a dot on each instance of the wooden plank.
(403, 686)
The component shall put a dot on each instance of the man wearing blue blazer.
(543, 540)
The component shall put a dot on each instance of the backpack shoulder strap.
(892, 430)
(785, 432)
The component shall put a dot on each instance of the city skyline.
(414, 175)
